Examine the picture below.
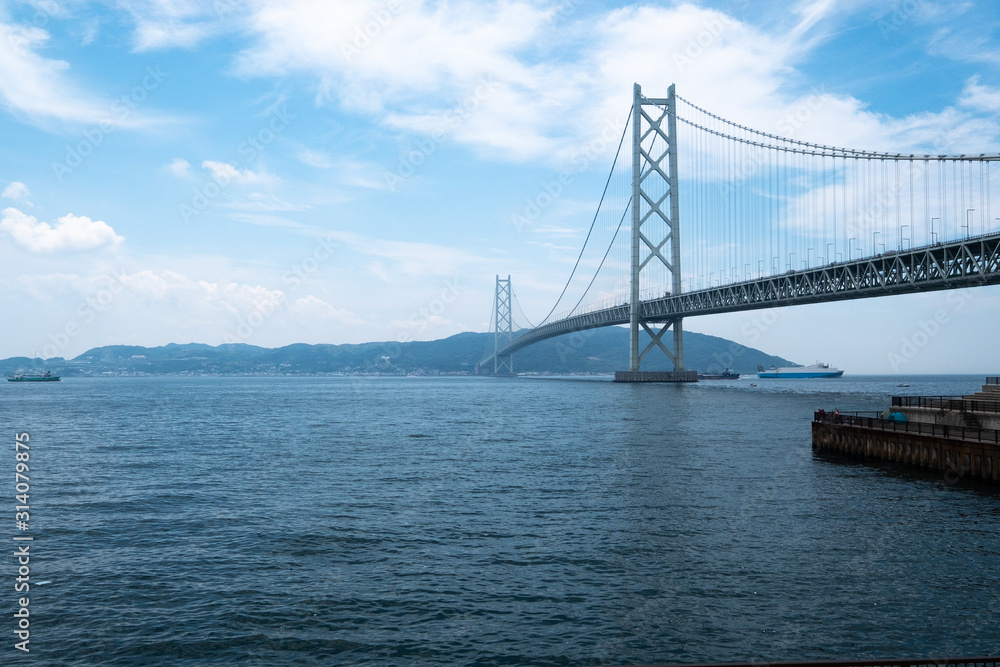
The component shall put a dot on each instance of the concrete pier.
(945, 434)
(946, 449)
(656, 376)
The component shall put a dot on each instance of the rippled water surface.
(468, 521)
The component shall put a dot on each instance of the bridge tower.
(504, 331)
(655, 219)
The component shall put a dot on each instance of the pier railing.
(885, 662)
(946, 403)
(993, 380)
(920, 428)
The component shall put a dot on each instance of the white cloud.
(70, 232)
(40, 90)
(90, 31)
(17, 191)
(316, 159)
(409, 259)
(258, 201)
(37, 87)
(459, 45)
(223, 172)
(183, 24)
(310, 309)
(151, 36)
(980, 97)
(420, 325)
(481, 79)
(267, 220)
(179, 167)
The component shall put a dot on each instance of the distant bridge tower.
(655, 219)
(504, 331)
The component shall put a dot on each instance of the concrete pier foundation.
(943, 449)
(656, 376)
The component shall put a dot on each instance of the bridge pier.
(656, 376)
(503, 365)
(654, 159)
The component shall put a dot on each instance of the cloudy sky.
(344, 171)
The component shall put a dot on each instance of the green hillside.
(596, 351)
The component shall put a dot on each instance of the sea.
(480, 521)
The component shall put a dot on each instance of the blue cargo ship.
(816, 370)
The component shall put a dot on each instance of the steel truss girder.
(966, 263)
(959, 264)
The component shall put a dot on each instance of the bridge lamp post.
(791, 265)
(903, 238)
(809, 258)
(830, 256)
(874, 242)
(967, 221)
(850, 247)
(933, 234)
(760, 267)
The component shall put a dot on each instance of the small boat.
(29, 377)
(817, 370)
(724, 375)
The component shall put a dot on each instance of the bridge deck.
(970, 262)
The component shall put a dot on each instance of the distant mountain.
(595, 351)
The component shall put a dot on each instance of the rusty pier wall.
(972, 459)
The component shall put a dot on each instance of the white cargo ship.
(816, 370)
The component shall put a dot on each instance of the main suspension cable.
(592, 224)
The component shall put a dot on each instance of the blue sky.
(333, 172)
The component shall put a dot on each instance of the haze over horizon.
(345, 172)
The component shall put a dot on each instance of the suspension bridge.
(768, 221)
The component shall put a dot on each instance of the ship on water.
(33, 377)
(817, 370)
(724, 375)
